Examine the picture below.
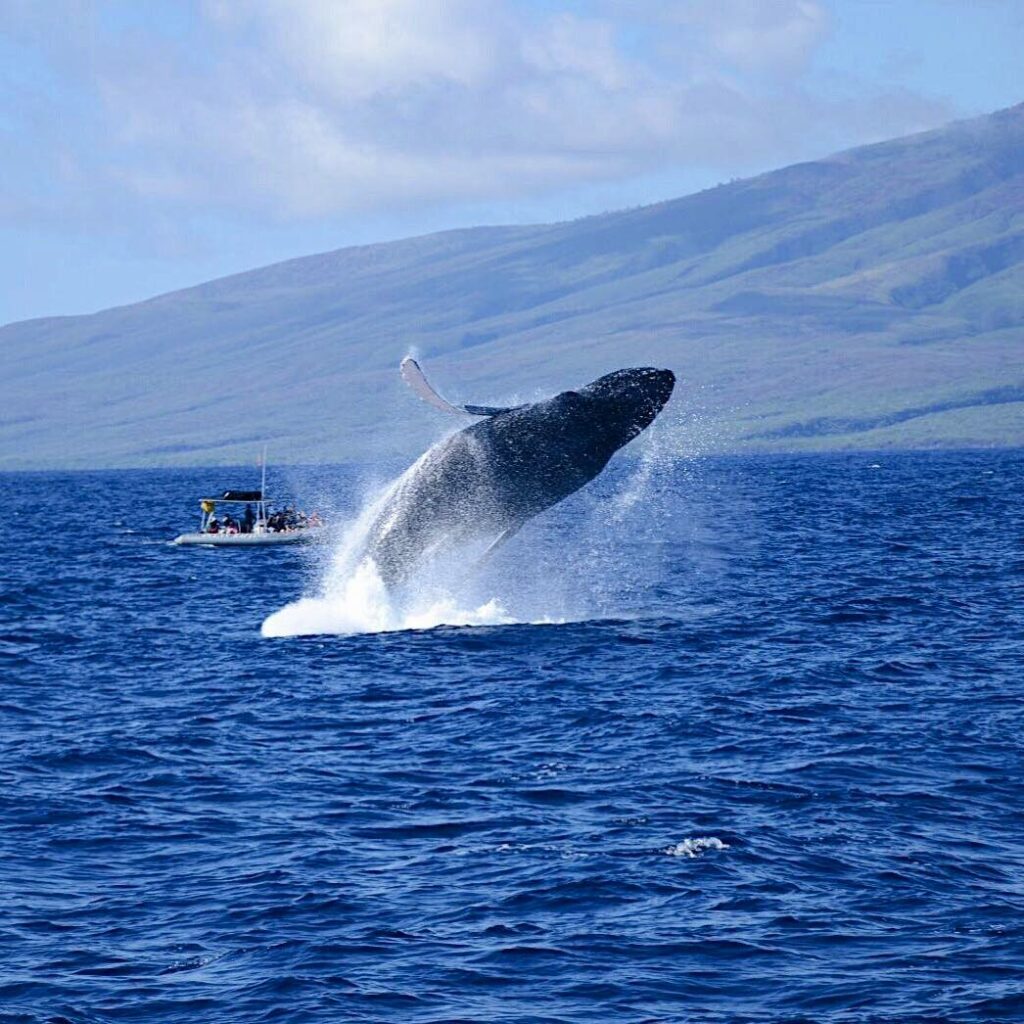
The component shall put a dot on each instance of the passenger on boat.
(248, 519)
(213, 526)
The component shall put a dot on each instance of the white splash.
(696, 846)
(352, 597)
(361, 604)
(556, 572)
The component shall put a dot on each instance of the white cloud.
(765, 36)
(303, 108)
(749, 35)
(356, 49)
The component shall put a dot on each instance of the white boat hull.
(248, 540)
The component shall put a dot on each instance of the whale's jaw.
(630, 400)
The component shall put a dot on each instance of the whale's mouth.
(632, 398)
(656, 387)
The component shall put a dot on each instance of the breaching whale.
(486, 481)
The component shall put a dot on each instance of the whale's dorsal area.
(413, 375)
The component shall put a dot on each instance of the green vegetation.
(871, 299)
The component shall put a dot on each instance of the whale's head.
(626, 402)
(543, 451)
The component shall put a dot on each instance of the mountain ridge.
(815, 306)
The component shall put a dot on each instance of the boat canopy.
(242, 497)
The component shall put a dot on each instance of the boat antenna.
(263, 474)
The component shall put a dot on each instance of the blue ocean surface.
(729, 740)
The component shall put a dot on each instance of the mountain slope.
(869, 299)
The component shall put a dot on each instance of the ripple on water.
(759, 762)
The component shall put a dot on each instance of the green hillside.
(871, 299)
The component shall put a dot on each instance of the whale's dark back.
(501, 471)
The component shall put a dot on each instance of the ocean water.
(717, 740)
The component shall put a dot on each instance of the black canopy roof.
(237, 496)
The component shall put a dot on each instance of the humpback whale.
(487, 480)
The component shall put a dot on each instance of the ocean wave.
(695, 847)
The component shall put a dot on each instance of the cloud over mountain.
(314, 108)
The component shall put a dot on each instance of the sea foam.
(351, 596)
(559, 575)
(696, 846)
(362, 604)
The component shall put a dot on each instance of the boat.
(259, 526)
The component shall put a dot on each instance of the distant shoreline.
(396, 466)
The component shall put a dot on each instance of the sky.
(149, 146)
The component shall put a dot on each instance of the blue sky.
(150, 146)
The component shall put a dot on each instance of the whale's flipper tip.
(413, 375)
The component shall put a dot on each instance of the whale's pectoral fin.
(414, 376)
